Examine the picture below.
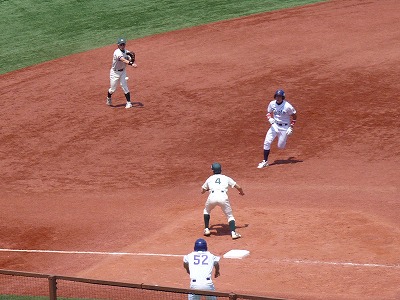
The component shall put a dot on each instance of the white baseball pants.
(116, 76)
(198, 286)
(219, 198)
(274, 131)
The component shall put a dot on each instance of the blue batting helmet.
(200, 245)
(216, 167)
(280, 93)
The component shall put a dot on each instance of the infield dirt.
(322, 222)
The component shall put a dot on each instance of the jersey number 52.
(201, 259)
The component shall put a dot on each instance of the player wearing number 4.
(199, 265)
(282, 117)
(218, 185)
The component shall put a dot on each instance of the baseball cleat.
(108, 101)
(235, 235)
(128, 105)
(262, 164)
(207, 232)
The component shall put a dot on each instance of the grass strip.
(34, 31)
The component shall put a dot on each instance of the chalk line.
(276, 261)
(90, 252)
(333, 263)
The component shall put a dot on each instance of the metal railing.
(34, 284)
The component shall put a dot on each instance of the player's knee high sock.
(266, 154)
(128, 97)
(232, 225)
(206, 221)
(108, 95)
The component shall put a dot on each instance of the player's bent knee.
(231, 218)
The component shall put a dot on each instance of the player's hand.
(241, 193)
(289, 131)
(216, 274)
(131, 63)
(271, 120)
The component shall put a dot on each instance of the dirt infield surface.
(322, 222)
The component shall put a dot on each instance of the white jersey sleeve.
(201, 264)
(218, 182)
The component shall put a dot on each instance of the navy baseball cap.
(121, 41)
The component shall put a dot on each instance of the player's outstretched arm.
(128, 62)
(239, 188)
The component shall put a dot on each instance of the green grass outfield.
(34, 31)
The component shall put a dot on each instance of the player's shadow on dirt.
(134, 104)
(290, 160)
(223, 229)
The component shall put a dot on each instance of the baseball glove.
(132, 56)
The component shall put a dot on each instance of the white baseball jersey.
(201, 264)
(218, 182)
(281, 112)
(117, 64)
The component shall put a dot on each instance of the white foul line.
(90, 252)
(287, 261)
(348, 264)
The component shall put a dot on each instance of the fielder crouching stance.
(218, 185)
(121, 58)
(282, 117)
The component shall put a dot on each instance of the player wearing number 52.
(218, 185)
(199, 265)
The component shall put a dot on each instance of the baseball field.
(93, 191)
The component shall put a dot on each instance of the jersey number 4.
(201, 259)
(218, 180)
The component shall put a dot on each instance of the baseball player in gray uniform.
(121, 58)
(199, 265)
(218, 185)
(282, 117)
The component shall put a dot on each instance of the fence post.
(53, 287)
(232, 296)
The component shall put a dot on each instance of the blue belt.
(208, 278)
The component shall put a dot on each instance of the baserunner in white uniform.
(199, 264)
(218, 185)
(121, 58)
(282, 117)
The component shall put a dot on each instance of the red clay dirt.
(322, 222)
